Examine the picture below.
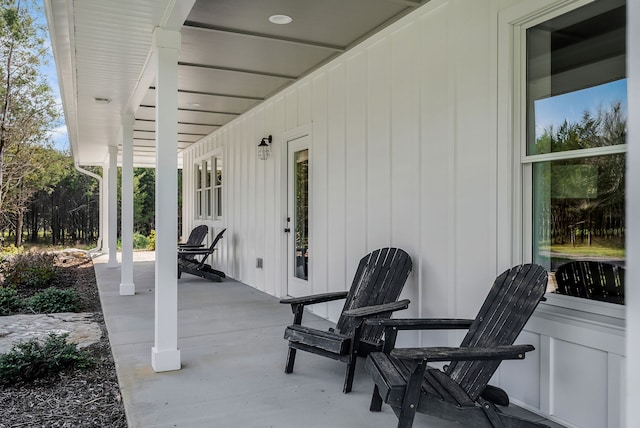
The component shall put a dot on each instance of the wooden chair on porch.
(188, 263)
(459, 392)
(376, 286)
(196, 237)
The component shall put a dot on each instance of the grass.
(597, 249)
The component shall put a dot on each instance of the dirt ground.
(80, 398)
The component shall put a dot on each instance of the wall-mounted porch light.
(264, 148)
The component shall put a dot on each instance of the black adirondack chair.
(376, 286)
(460, 392)
(195, 239)
(188, 263)
(592, 280)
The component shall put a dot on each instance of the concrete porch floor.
(233, 354)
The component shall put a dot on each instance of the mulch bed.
(78, 398)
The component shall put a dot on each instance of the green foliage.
(53, 300)
(152, 241)
(144, 196)
(140, 241)
(31, 270)
(9, 251)
(34, 359)
(9, 301)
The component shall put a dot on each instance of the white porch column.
(127, 287)
(165, 355)
(632, 292)
(112, 206)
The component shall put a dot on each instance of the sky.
(572, 105)
(59, 135)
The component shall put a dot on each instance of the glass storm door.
(298, 217)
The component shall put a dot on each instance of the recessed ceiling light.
(101, 100)
(194, 104)
(280, 19)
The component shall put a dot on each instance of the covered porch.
(233, 353)
(415, 131)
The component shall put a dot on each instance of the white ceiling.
(231, 59)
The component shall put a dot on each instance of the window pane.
(576, 65)
(198, 177)
(301, 219)
(579, 210)
(218, 193)
(218, 172)
(207, 166)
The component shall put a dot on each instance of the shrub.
(152, 241)
(9, 301)
(32, 270)
(54, 300)
(33, 359)
(140, 241)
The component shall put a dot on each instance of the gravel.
(79, 398)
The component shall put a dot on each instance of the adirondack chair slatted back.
(509, 305)
(196, 237)
(212, 247)
(592, 280)
(378, 280)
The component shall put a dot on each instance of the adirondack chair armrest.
(315, 298)
(195, 251)
(368, 311)
(298, 303)
(421, 323)
(511, 352)
(186, 246)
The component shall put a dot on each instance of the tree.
(27, 106)
(144, 200)
(584, 196)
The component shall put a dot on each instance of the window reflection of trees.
(581, 201)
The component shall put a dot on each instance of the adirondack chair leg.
(411, 395)
(351, 369)
(491, 412)
(353, 357)
(376, 400)
(291, 359)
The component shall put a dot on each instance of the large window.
(208, 188)
(574, 160)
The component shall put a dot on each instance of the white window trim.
(200, 162)
(519, 202)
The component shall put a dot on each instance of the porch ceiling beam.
(180, 123)
(211, 28)
(213, 94)
(154, 139)
(196, 111)
(237, 70)
(410, 3)
(179, 133)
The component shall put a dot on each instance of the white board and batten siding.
(405, 151)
